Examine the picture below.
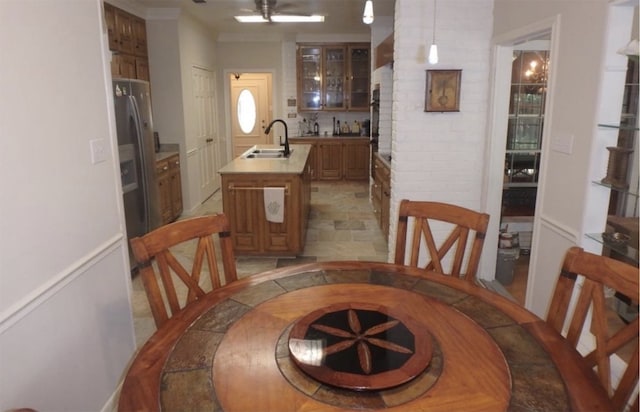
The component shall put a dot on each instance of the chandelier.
(538, 70)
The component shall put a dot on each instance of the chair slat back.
(463, 222)
(153, 251)
(599, 272)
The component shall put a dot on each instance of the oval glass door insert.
(246, 111)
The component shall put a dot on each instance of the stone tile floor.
(342, 226)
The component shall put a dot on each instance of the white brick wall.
(439, 156)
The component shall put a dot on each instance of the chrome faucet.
(286, 135)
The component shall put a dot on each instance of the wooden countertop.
(294, 164)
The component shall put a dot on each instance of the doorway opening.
(250, 109)
(523, 151)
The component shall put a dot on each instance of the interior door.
(250, 109)
(206, 130)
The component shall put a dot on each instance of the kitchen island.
(243, 200)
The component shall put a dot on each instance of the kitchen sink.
(265, 153)
(265, 156)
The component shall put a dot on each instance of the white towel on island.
(274, 204)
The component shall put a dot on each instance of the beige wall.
(177, 42)
(66, 332)
(585, 88)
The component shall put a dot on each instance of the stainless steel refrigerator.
(137, 157)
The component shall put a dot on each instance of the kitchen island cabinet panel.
(243, 183)
(245, 225)
(313, 155)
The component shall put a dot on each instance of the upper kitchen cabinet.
(128, 42)
(139, 37)
(359, 78)
(333, 77)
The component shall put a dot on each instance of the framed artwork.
(443, 91)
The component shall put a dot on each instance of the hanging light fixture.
(367, 16)
(433, 50)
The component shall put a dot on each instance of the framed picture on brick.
(443, 91)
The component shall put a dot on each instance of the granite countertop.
(165, 154)
(385, 157)
(294, 164)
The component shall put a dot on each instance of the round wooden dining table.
(352, 335)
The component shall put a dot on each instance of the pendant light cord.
(434, 21)
(433, 50)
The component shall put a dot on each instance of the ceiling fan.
(269, 11)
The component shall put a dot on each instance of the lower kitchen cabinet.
(356, 157)
(381, 193)
(336, 158)
(330, 159)
(169, 187)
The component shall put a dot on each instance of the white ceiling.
(341, 16)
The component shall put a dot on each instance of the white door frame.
(503, 47)
(227, 98)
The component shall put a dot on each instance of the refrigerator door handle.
(143, 165)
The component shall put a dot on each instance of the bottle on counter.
(337, 133)
(316, 129)
(356, 127)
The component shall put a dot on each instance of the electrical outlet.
(98, 153)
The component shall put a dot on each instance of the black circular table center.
(360, 346)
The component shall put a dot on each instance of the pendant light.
(433, 50)
(367, 16)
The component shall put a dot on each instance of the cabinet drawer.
(380, 170)
(174, 162)
(376, 191)
(162, 166)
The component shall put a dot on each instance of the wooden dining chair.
(461, 222)
(598, 272)
(153, 252)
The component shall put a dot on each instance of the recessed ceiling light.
(281, 18)
(286, 18)
(250, 19)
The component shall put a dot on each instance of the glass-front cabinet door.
(334, 77)
(359, 78)
(310, 80)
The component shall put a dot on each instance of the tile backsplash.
(305, 121)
